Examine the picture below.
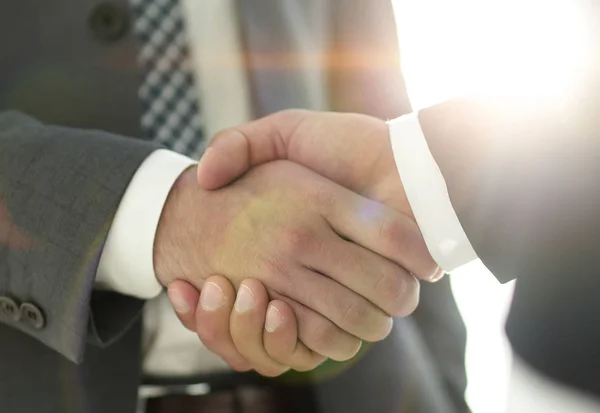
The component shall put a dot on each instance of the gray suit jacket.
(61, 185)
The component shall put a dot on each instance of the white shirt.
(126, 265)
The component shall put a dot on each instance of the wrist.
(384, 183)
(169, 242)
(126, 264)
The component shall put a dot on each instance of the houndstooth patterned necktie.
(171, 114)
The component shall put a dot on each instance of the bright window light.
(516, 48)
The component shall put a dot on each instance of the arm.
(524, 186)
(60, 188)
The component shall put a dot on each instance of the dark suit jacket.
(524, 182)
(61, 185)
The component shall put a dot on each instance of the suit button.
(109, 21)
(32, 315)
(9, 309)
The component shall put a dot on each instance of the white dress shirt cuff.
(427, 194)
(126, 265)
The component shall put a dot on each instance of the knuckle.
(356, 314)
(210, 338)
(327, 341)
(276, 353)
(324, 337)
(367, 322)
(394, 233)
(279, 351)
(390, 288)
(297, 239)
(335, 305)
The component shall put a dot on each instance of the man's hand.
(248, 332)
(350, 149)
(341, 261)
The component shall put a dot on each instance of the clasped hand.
(318, 265)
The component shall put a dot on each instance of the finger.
(234, 151)
(280, 339)
(247, 325)
(184, 299)
(386, 284)
(379, 229)
(320, 334)
(348, 310)
(213, 321)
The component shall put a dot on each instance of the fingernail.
(211, 297)
(273, 320)
(245, 299)
(178, 302)
(390, 326)
(437, 275)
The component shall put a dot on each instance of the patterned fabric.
(171, 115)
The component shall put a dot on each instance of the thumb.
(226, 159)
(234, 151)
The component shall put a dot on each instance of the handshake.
(304, 215)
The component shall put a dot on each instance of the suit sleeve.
(59, 191)
(524, 183)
